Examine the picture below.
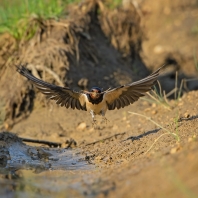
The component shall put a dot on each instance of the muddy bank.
(81, 51)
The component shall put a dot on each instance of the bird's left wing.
(63, 95)
(127, 94)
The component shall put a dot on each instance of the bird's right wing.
(127, 94)
(63, 95)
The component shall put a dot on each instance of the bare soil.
(131, 155)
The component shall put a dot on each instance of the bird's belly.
(97, 108)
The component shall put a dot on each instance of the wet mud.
(17, 155)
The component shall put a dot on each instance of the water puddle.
(56, 183)
(28, 171)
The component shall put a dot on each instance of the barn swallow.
(95, 101)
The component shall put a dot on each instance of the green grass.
(157, 96)
(15, 14)
(168, 132)
(113, 3)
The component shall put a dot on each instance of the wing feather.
(63, 96)
(68, 104)
(118, 104)
(127, 94)
(77, 104)
(59, 101)
(122, 102)
(73, 103)
(126, 101)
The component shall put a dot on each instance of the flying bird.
(95, 101)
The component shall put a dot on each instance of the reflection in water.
(58, 183)
(27, 171)
(39, 159)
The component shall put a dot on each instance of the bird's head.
(95, 92)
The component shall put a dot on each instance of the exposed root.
(34, 69)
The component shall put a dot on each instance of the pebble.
(81, 126)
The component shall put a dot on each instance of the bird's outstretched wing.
(63, 95)
(127, 94)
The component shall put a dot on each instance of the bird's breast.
(96, 108)
(95, 100)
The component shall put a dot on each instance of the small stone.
(98, 158)
(147, 109)
(186, 115)
(180, 104)
(175, 149)
(81, 126)
(190, 139)
(158, 49)
(154, 112)
(124, 118)
(91, 129)
(115, 127)
(6, 126)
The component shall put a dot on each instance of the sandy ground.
(129, 156)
